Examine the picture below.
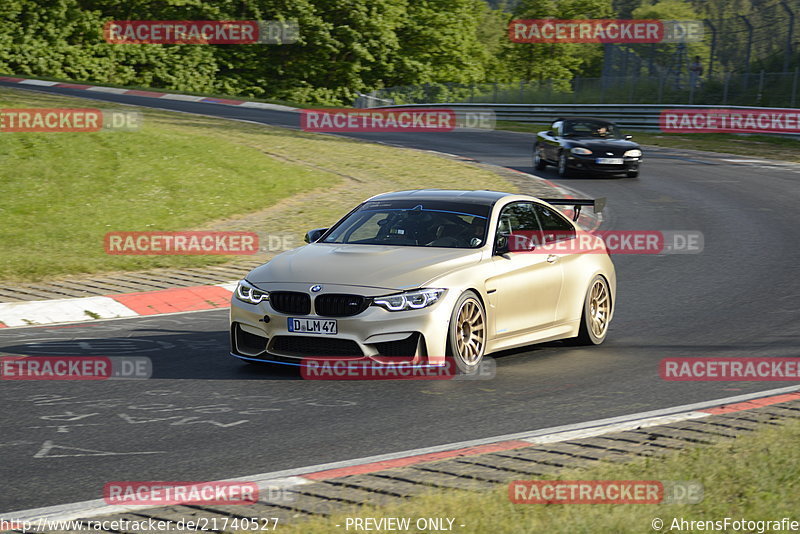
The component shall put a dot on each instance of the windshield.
(414, 223)
(590, 128)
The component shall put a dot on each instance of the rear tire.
(466, 335)
(596, 314)
(538, 162)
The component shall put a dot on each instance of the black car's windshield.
(590, 128)
(414, 223)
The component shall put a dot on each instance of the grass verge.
(60, 193)
(755, 477)
(758, 146)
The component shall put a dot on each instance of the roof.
(482, 196)
(584, 119)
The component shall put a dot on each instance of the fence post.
(794, 86)
(725, 88)
(749, 26)
(760, 87)
(713, 47)
(787, 57)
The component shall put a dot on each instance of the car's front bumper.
(589, 164)
(260, 333)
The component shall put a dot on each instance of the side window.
(554, 226)
(518, 222)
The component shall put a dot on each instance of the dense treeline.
(345, 46)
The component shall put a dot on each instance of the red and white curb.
(147, 94)
(289, 478)
(164, 301)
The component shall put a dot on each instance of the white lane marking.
(264, 105)
(292, 477)
(744, 160)
(114, 90)
(48, 446)
(39, 82)
(230, 286)
(185, 98)
(62, 310)
(618, 427)
(44, 312)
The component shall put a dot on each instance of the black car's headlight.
(409, 300)
(581, 151)
(247, 292)
(635, 153)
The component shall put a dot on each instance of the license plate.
(609, 161)
(312, 326)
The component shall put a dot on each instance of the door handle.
(552, 258)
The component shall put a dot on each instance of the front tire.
(596, 313)
(633, 174)
(466, 337)
(538, 162)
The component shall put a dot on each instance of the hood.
(600, 147)
(388, 267)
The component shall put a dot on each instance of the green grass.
(60, 193)
(758, 146)
(756, 477)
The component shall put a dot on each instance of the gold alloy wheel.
(470, 332)
(599, 308)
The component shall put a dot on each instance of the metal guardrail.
(627, 116)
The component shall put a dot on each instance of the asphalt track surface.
(207, 416)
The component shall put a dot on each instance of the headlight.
(247, 292)
(635, 153)
(410, 300)
(581, 151)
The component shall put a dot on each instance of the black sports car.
(590, 145)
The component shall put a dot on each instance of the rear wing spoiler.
(598, 204)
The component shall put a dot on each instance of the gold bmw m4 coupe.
(425, 275)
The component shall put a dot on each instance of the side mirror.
(628, 137)
(315, 234)
(500, 245)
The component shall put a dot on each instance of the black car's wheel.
(633, 174)
(596, 314)
(563, 169)
(466, 340)
(538, 162)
